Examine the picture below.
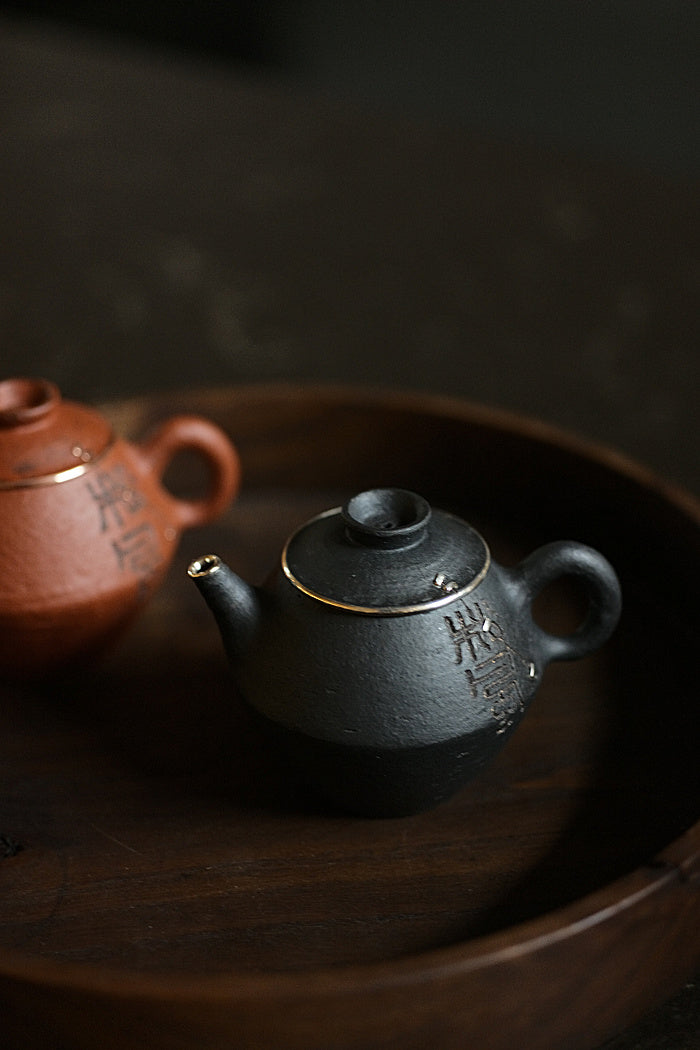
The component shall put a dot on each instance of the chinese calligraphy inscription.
(495, 668)
(119, 504)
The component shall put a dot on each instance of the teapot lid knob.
(25, 400)
(44, 439)
(389, 519)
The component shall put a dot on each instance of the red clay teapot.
(87, 528)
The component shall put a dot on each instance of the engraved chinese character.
(115, 496)
(494, 671)
(496, 680)
(137, 550)
(474, 628)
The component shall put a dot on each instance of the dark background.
(617, 78)
(495, 200)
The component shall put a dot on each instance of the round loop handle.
(208, 440)
(568, 558)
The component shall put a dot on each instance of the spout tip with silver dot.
(204, 566)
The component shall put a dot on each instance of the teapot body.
(389, 655)
(388, 715)
(87, 529)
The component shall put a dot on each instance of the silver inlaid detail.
(60, 476)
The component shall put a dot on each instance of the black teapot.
(390, 654)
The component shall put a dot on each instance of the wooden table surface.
(166, 224)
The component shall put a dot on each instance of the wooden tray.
(176, 888)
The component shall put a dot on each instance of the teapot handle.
(208, 440)
(568, 558)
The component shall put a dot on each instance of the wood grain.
(175, 883)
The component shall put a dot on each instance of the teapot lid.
(386, 551)
(43, 438)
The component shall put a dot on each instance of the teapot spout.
(233, 602)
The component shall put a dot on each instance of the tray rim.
(674, 867)
(670, 871)
(492, 416)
